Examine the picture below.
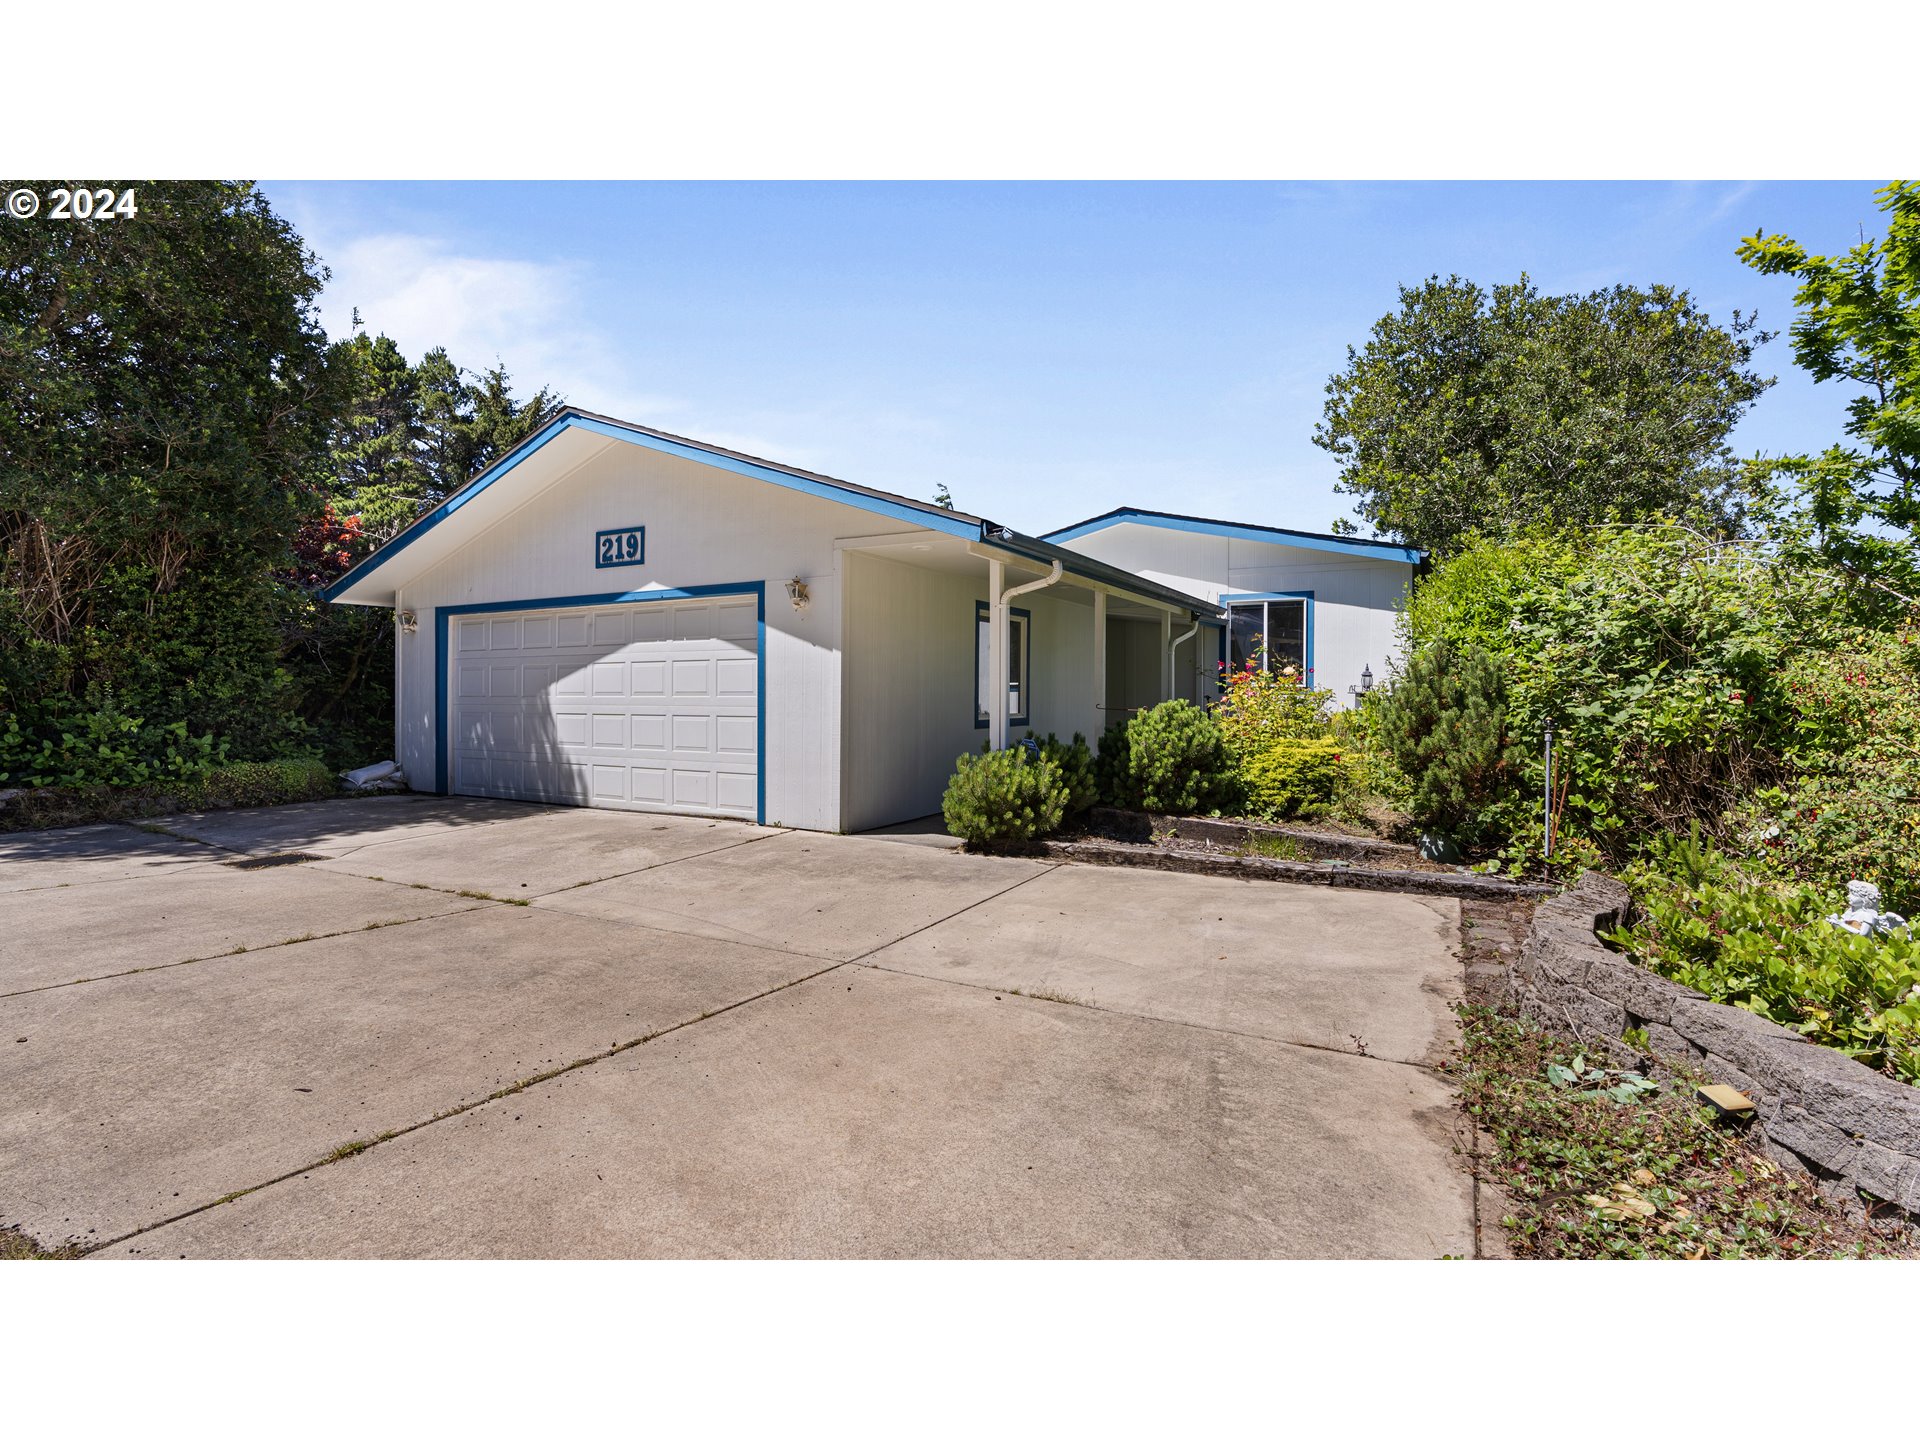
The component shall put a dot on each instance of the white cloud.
(529, 315)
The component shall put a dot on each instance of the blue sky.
(1048, 351)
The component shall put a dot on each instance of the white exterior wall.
(1355, 600)
(908, 681)
(705, 526)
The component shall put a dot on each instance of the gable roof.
(924, 513)
(1233, 530)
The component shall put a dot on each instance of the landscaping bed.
(1653, 1174)
(1253, 851)
(1565, 1171)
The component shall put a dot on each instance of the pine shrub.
(1177, 761)
(1075, 762)
(1445, 724)
(1004, 797)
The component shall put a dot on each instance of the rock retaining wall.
(1851, 1127)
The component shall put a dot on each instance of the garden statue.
(1863, 914)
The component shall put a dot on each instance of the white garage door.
(649, 706)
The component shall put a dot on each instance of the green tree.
(166, 401)
(1859, 324)
(1474, 411)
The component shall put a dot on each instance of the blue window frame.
(1274, 627)
(1019, 664)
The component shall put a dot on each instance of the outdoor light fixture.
(1366, 681)
(409, 622)
(797, 593)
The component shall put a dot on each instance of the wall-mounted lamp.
(408, 621)
(1366, 681)
(797, 593)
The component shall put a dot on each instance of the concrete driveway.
(476, 1028)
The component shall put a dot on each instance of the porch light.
(797, 593)
(408, 622)
(1366, 681)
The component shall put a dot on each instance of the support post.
(1099, 726)
(996, 696)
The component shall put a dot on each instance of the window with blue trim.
(1019, 664)
(1269, 633)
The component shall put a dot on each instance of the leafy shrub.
(1290, 777)
(264, 782)
(1849, 806)
(1004, 797)
(104, 746)
(1177, 762)
(1445, 724)
(1076, 766)
(1769, 949)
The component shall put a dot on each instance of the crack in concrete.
(1058, 998)
(235, 953)
(351, 1150)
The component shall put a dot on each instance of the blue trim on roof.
(442, 657)
(1265, 534)
(684, 449)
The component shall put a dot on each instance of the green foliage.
(264, 782)
(1371, 788)
(165, 397)
(1445, 724)
(184, 460)
(1648, 1176)
(1112, 780)
(1177, 761)
(1290, 777)
(1496, 412)
(1859, 325)
(1004, 797)
(1768, 948)
(1075, 763)
(1848, 807)
(1685, 680)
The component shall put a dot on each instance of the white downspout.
(1166, 654)
(1099, 726)
(997, 622)
(399, 679)
(1175, 645)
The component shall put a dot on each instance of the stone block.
(1651, 997)
(1812, 1139)
(1669, 1044)
(1887, 1175)
(1741, 1036)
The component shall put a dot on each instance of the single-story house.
(617, 617)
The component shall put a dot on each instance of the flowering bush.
(1004, 797)
(1258, 707)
